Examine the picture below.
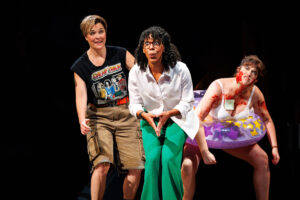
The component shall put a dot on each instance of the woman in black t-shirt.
(102, 107)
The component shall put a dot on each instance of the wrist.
(169, 114)
(203, 150)
(173, 112)
(274, 146)
(140, 115)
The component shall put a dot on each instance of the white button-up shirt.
(174, 90)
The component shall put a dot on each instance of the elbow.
(202, 115)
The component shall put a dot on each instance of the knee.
(168, 156)
(133, 176)
(187, 167)
(261, 161)
(152, 159)
(135, 172)
(102, 169)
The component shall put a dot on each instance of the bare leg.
(190, 163)
(258, 158)
(131, 183)
(98, 181)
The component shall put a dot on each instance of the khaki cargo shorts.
(114, 129)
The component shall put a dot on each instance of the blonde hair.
(89, 21)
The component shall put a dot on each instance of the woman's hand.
(84, 128)
(208, 157)
(275, 155)
(163, 117)
(150, 119)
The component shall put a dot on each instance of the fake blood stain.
(239, 77)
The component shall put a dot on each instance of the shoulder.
(115, 54)
(225, 81)
(111, 48)
(216, 86)
(181, 67)
(258, 95)
(135, 69)
(79, 61)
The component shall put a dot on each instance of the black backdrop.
(44, 152)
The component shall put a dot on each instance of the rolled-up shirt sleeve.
(187, 97)
(135, 99)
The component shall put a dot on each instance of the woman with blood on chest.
(234, 99)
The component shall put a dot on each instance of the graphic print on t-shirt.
(109, 84)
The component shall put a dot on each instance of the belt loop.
(124, 100)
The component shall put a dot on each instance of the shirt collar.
(167, 73)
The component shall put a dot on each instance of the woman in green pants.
(161, 95)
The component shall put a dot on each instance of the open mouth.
(246, 78)
(152, 55)
(98, 42)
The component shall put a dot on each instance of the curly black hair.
(171, 54)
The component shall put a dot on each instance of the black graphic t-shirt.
(104, 83)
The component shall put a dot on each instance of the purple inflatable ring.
(229, 134)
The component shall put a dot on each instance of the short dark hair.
(254, 60)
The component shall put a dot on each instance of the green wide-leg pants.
(163, 162)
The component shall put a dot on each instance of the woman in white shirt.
(161, 95)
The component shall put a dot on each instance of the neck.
(97, 52)
(241, 89)
(156, 67)
(156, 70)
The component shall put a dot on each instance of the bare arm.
(129, 60)
(211, 97)
(260, 108)
(81, 103)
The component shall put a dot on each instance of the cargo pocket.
(93, 146)
(141, 146)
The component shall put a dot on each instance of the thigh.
(192, 152)
(149, 136)
(173, 143)
(100, 140)
(248, 153)
(100, 145)
(175, 136)
(129, 145)
(151, 143)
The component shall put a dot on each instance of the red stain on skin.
(236, 92)
(215, 98)
(254, 80)
(202, 115)
(240, 89)
(205, 112)
(228, 96)
(242, 102)
(262, 104)
(239, 77)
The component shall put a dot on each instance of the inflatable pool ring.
(229, 134)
